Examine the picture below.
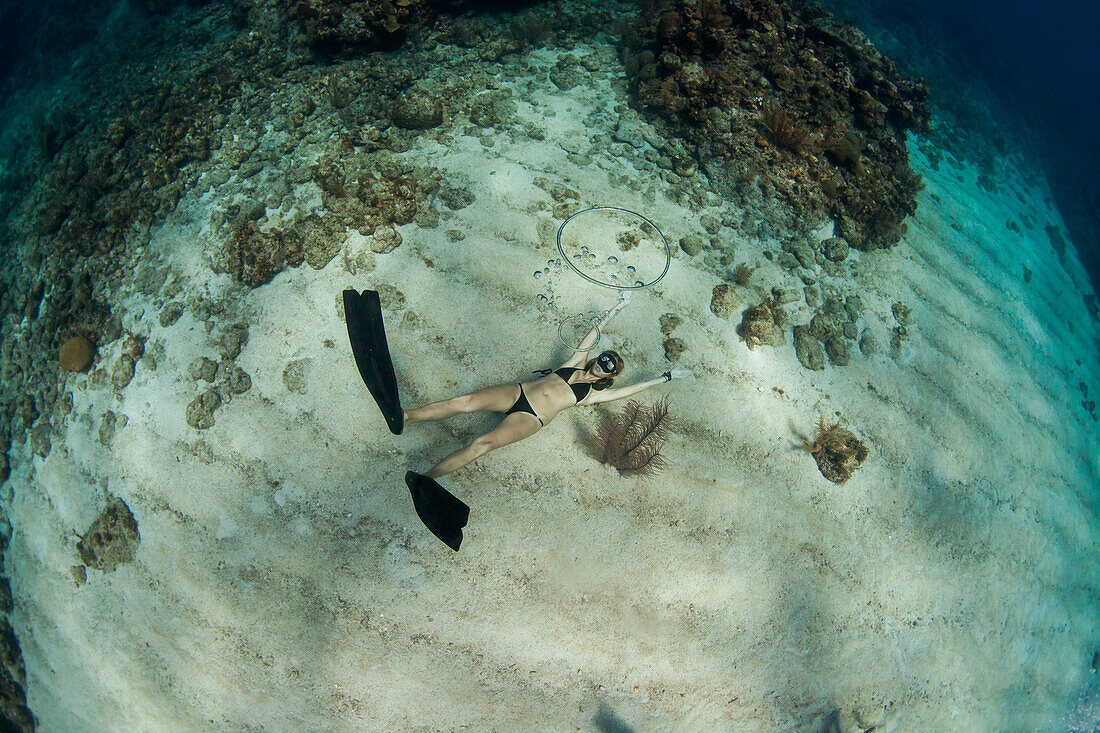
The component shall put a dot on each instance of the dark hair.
(606, 381)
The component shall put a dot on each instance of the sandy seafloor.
(283, 581)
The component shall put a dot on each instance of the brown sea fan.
(784, 129)
(741, 274)
(631, 441)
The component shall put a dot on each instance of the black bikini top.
(580, 391)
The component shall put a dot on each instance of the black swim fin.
(363, 313)
(440, 510)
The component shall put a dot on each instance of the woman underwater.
(527, 406)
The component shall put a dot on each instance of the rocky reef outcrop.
(14, 713)
(112, 539)
(779, 98)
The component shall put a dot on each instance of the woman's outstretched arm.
(617, 393)
(581, 355)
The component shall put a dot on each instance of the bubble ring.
(565, 257)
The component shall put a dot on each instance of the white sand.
(283, 580)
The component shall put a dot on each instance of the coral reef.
(200, 411)
(112, 538)
(342, 26)
(809, 351)
(843, 146)
(631, 441)
(900, 333)
(349, 27)
(75, 354)
(834, 326)
(673, 346)
(723, 300)
(833, 110)
(692, 244)
(14, 713)
(762, 324)
(358, 191)
(256, 257)
(837, 451)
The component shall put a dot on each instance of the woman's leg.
(517, 426)
(495, 399)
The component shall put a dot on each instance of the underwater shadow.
(606, 721)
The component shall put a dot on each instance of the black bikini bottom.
(522, 405)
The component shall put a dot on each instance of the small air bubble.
(557, 263)
(542, 298)
(576, 257)
(546, 271)
(638, 284)
(584, 250)
(630, 269)
(614, 276)
(613, 259)
(538, 274)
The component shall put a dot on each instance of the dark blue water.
(1044, 58)
(1040, 60)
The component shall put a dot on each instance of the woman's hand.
(678, 373)
(624, 299)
